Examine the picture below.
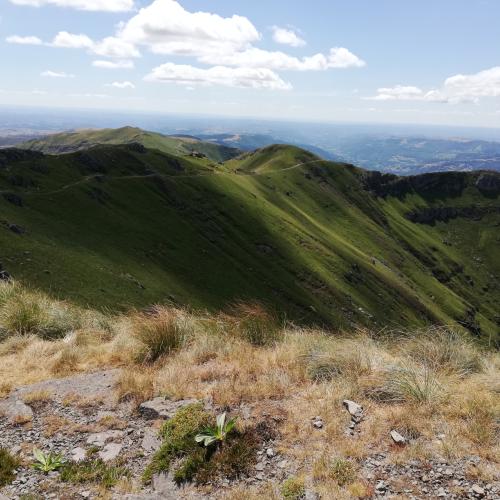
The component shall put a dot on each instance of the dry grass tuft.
(443, 350)
(161, 332)
(254, 323)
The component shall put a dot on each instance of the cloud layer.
(223, 47)
(255, 78)
(92, 5)
(455, 89)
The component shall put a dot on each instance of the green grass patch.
(8, 465)
(94, 471)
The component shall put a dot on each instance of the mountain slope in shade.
(124, 225)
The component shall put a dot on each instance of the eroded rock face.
(431, 215)
(488, 182)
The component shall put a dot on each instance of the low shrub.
(8, 465)
(161, 332)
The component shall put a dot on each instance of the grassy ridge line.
(313, 241)
(85, 139)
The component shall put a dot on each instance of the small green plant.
(47, 462)
(217, 434)
(293, 488)
(7, 466)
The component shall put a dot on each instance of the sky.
(385, 61)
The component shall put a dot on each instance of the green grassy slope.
(69, 142)
(120, 226)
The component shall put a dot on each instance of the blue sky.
(434, 62)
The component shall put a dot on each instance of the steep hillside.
(116, 226)
(69, 142)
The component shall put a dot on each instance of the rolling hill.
(69, 142)
(125, 225)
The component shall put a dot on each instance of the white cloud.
(121, 85)
(167, 28)
(56, 74)
(470, 87)
(72, 41)
(399, 92)
(287, 37)
(255, 78)
(455, 89)
(93, 5)
(24, 40)
(110, 46)
(338, 57)
(125, 64)
(115, 47)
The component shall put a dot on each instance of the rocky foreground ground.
(79, 416)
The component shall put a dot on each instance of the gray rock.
(354, 409)
(161, 407)
(270, 453)
(110, 452)
(164, 486)
(397, 437)
(318, 424)
(478, 490)
(16, 410)
(260, 467)
(441, 492)
(150, 442)
(101, 438)
(78, 454)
